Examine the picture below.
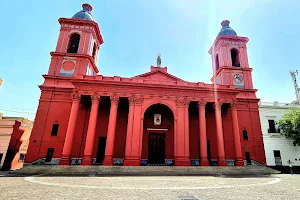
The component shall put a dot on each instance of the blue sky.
(135, 31)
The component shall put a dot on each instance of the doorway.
(101, 150)
(8, 159)
(248, 158)
(49, 154)
(277, 157)
(156, 148)
(208, 152)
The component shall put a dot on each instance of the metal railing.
(274, 130)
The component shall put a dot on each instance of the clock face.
(238, 78)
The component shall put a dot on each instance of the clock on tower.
(230, 59)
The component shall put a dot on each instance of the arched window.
(73, 43)
(94, 50)
(235, 60)
(217, 62)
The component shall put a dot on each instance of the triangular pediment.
(159, 74)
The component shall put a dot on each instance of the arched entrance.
(158, 135)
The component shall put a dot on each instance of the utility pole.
(293, 74)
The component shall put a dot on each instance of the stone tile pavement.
(280, 186)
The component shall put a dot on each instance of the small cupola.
(226, 29)
(85, 13)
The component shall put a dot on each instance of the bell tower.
(230, 60)
(78, 45)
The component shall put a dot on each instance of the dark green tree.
(290, 125)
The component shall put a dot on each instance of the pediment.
(159, 75)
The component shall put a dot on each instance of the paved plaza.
(281, 186)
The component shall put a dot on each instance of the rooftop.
(85, 13)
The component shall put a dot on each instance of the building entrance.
(101, 150)
(156, 148)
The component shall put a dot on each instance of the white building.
(278, 148)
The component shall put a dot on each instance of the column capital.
(138, 100)
(182, 102)
(202, 104)
(217, 105)
(135, 100)
(76, 97)
(131, 101)
(114, 99)
(233, 104)
(95, 98)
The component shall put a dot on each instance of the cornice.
(100, 83)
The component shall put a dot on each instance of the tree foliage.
(290, 125)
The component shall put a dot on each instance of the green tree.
(290, 125)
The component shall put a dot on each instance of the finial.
(87, 7)
(225, 23)
(158, 60)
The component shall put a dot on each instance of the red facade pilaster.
(181, 156)
(110, 141)
(128, 146)
(90, 137)
(220, 138)
(202, 136)
(136, 150)
(66, 154)
(236, 135)
(187, 132)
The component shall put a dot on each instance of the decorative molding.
(157, 129)
(233, 104)
(133, 100)
(157, 119)
(138, 100)
(202, 104)
(217, 105)
(114, 99)
(95, 98)
(182, 102)
(160, 93)
(76, 97)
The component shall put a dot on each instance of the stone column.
(110, 141)
(129, 133)
(202, 134)
(220, 138)
(236, 135)
(90, 136)
(67, 149)
(181, 144)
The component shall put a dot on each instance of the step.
(144, 170)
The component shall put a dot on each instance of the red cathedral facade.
(155, 118)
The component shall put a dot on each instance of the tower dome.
(226, 29)
(85, 13)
